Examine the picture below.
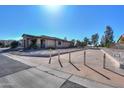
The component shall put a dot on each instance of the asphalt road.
(10, 66)
(69, 84)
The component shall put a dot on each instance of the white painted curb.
(117, 63)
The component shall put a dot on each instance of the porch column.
(25, 42)
(39, 43)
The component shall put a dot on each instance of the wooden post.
(50, 57)
(59, 59)
(58, 55)
(71, 62)
(84, 57)
(69, 57)
(104, 60)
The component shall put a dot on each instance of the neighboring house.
(120, 42)
(6, 42)
(121, 39)
(31, 41)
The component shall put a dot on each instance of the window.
(59, 42)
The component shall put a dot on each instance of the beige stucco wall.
(63, 44)
(39, 43)
(49, 43)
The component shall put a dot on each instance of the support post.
(104, 60)
(69, 57)
(58, 55)
(84, 57)
(50, 57)
(59, 59)
(71, 62)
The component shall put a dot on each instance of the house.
(31, 41)
(121, 39)
(120, 42)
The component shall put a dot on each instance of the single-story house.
(121, 39)
(120, 42)
(31, 41)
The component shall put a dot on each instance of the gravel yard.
(118, 54)
(44, 52)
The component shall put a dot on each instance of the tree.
(73, 40)
(108, 36)
(1, 44)
(78, 43)
(83, 44)
(94, 39)
(14, 44)
(86, 41)
(102, 42)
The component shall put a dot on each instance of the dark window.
(59, 42)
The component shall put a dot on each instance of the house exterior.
(121, 39)
(120, 42)
(31, 41)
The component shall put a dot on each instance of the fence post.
(69, 57)
(104, 60)
(59, 59)
(50, 57)
(58, 55)
(84, 57)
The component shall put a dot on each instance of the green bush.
(14, 44)
(34, 46)
(1, 45)
(53, 48)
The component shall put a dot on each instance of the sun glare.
(53, 8)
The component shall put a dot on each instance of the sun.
(53, 8)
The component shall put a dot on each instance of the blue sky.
(60, 21)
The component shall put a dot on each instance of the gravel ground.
(44, 53)
(116, 53)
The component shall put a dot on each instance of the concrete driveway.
(10, 66)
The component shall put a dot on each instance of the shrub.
(1, 44)
(53, 48)
(14, 44)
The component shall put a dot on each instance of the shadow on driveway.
(10, 66)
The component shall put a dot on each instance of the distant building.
(120, 42)
(43, 41)
(121, 39)
(6, 42)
